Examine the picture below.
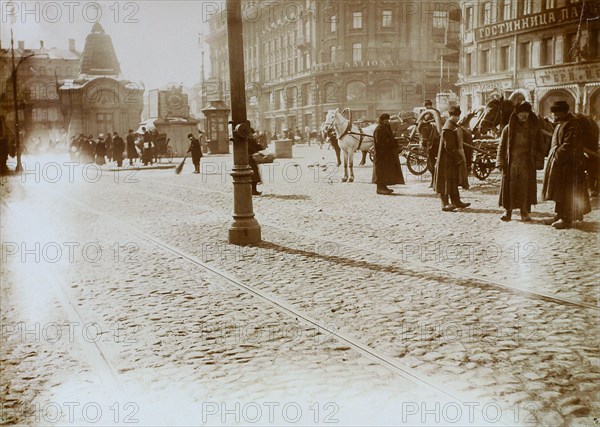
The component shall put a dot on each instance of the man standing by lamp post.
(245, 228)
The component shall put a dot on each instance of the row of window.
(386, 90)
(506, 10)
(386, 20)
(553, 50)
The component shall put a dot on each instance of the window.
(307, 61)
(104, 121)
(594, 50)
(549, 4)
(486, 14)
(468, 64)
(506, 10)
(357, 51)
(468, 18)
(386, 51)
(333, 53)
(387, 18)
(571, 47)
(439, 19)
(504, 58)
(524, 55)
(527, 7)
(547, 51)
(334, 23)
(307, 31)
(356, 20)
(484, 61)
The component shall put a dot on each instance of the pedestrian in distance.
(100, 150)
(253, 148)
(520, 154)
(131, 149)
(147, 148)
(386, 166)
(564, 177)
(195, 150)
(108, 143)
(451, 167)
(118, 146)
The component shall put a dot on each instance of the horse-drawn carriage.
(358, 136)
(162, 149)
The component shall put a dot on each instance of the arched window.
(356, 91)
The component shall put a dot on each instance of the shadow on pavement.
(285, 196)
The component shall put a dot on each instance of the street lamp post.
(245, 228)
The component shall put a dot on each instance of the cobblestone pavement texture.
(393, 271)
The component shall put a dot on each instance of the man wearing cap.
(196, 151)
(451, 167)
(520, 154)
(386, 167)
(564, 178)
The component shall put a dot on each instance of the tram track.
(466, 276)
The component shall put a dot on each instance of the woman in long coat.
(520, 154)
(386, 167)
(131, 149)
(451, 164)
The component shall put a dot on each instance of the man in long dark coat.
(108, 143)
(386, 168)
(196, 151)
(451, 167)
(253, 148)
(100, 150)
(118, 148)
(147, 148)
(520, 154)
(131, 150)
(564, 178)
(333, 142)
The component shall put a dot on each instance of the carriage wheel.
(482, 168)
(416, 162)
(372, 154)
(169, 154)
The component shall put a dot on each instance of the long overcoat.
(450, 166)
(386, 167)
(118, 147)
(504, 161)
(564, 177)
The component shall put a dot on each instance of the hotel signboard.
(541, 20)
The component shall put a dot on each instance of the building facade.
(100, 99)
(303, 58)
(537, 50)
(37, 76)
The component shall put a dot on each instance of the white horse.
(350, 138)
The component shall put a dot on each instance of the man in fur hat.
(386, 167)
(564, 178)
(520, 154)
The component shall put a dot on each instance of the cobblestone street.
(122, 302)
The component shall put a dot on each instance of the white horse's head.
(331, 115)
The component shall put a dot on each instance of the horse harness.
(348, 131)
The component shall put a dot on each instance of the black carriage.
(162, 149)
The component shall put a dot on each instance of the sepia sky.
(156, 41)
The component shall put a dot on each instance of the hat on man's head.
(427, 102)
(190, 135)
(523, 107)
(454, 111)
(559, 106)
(384, 116)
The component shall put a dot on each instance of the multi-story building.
(303, 58)
(37, 76)
(538, 50)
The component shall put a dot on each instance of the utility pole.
(245, 228)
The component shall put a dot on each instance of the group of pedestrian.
(520, 155)
(109, 148)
